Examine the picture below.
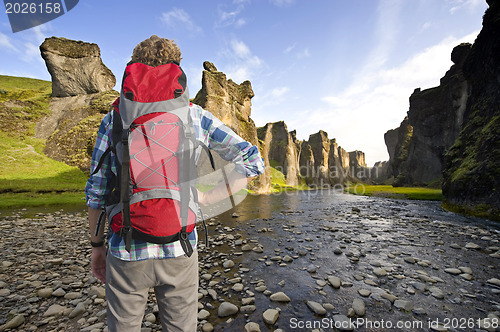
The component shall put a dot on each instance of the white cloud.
(303, 54)
(40, 32)
(240, 22)
(289, 48)
(456, 5)
(279, 92)
(230, 18)
(31, 53)
(282, 3)
(378, 99)
(240, 49)
(6, 43)
(243, 65)
(178, 18)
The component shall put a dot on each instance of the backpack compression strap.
(186, 175)
(211, 158)
(126, 231)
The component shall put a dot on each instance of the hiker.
(131, 266)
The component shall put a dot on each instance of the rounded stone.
(227, 309)
(252, 327)
(334, 281)
(379, 272)
(228, 264)
(207, 327)
(279, 297)
(15, 322)
(317, 308)
(45, 292)
(364, 292)
(270, 316)
(359, 307)
(150, 318)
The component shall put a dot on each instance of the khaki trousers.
(175, 282)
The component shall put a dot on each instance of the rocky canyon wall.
(231, 103)
(472, 165)
(82, 97)
(434, 121)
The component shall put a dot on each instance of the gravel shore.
(298, 262)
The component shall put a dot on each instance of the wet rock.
(45, 292)
(246, 247)
(270, 316)
(389, 297)
(14, 323)
(228, 264)
(359, 307)
(436, 292)
(453, 271)
(467, 276)
(227, 309)
(335, 282)
(494, 281)
(4, 292)
(379, 272)
(252, 327)
(246, 309)
(72, 295)
(403, 305)
(59, 292)
(207, 327)
(248, 300)
(337, 251)
(410, 260)
(203, 314)
(279, 297)
(79, 310)
(238, 287)
(54, 310)
(317, 308)
(98, 291)
(472, 245)
(465, 269)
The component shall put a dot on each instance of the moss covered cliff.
(472, 165)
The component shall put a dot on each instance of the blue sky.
(347, 67)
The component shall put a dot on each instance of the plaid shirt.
(211, 132)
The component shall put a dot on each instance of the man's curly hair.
(156, 51)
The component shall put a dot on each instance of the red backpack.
(155, 197)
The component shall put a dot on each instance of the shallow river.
(354, 238)
(389, 265)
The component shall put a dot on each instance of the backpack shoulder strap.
(111, 147)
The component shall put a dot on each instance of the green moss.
(103, 101)
(31, 199)
(26, 100)
(70, 48)
(413, 193)
(479, 210)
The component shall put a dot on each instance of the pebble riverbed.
(321, 261)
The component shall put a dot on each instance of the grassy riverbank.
(28, 177)
(416, 193)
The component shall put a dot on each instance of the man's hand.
(202, 198)
(236, 182)
(98, 262)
